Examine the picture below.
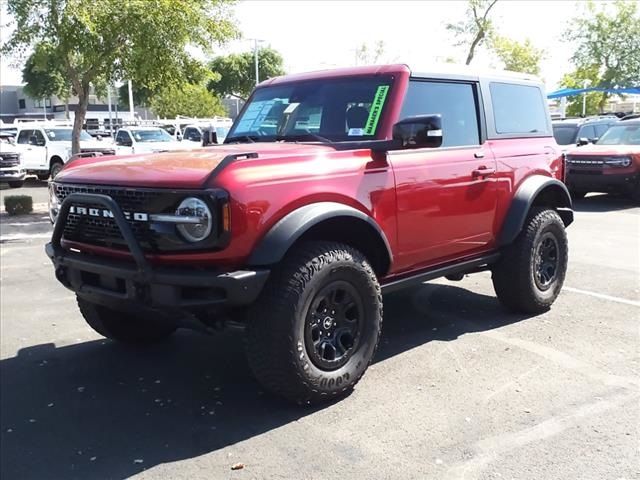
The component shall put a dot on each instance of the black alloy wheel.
(546, 261)
(332, 330)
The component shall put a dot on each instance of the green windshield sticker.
(376, 109)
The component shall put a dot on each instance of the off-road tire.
(277, 347)
(125, 327)
(514, 277)
(16, 184)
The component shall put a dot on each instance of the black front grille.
(103, 151)
(99, 230)
(91, 223)
(9, 160)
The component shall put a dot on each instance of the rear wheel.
(43, 176)
(531, 271)
(125, 327)
(316, 326)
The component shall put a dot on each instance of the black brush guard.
(129, 285)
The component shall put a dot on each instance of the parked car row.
(602, 154)
(42, 148)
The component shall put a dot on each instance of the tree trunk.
(472, 48)
(603, 102)
(78, 121)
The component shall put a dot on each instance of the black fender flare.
(525, 197)
(274, 245)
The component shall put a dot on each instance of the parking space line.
(603, 296)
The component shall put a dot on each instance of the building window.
(39, 103)
(22, 104)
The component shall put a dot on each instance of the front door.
(34, 157)
(446, 196)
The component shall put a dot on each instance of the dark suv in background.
(581, 131)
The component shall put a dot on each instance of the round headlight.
(200, 221)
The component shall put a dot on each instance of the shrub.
(18, 204)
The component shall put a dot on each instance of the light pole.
(584, 98)
(131, 111)
(255, 56)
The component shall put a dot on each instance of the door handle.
(479, 154)
(483, 172)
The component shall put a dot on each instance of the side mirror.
(126, 143)
(420, 131)
(594, 139)
(582, 141)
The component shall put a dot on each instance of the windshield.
(157, 135)
(64, 134)
(338, 110)
(621, 135)
(565, 134)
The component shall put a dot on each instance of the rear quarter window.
(518, 109)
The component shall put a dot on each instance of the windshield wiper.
(241, 139)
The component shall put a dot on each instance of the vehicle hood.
(180, 169)
(609, 150)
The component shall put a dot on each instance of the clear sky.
(315, 35)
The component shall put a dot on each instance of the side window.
(600, 129)
(39, 137)
(518, 109)
(23, 137)
(587, 131)
(191, 133)
(455, 102)
(122, 137)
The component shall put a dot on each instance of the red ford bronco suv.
(331, 189)
(611, 165)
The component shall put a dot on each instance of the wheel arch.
(55, 159)
(537, 190)
(329, 221)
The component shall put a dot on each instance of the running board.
(468, 266)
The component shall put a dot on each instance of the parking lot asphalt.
(460, 389)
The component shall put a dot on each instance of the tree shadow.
(101, 410)
(600, 203)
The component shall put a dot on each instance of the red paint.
(430, 205)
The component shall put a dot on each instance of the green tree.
(577, 80)
(187, 99)
(516, 56)
(43, 76)
(235, 74)
(608, 40)
(475, 28)
(97, 42)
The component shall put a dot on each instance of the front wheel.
(530, 274)
(55, 169)
(125, 327)
(16, 184)
(315, 328)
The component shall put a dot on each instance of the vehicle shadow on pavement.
(29, 182)
(603, 203)
(100, 410)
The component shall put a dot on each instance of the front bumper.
(11, 174)
(130, 286)
(601, 182)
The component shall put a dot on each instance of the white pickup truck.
(145, 140)
(11, 167)
(45, 148)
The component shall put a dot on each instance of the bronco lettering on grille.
(103, 213)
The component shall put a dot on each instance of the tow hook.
(61, 275)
